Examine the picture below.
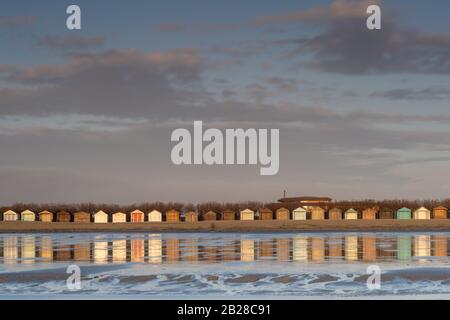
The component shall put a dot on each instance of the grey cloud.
(414, 94)
(70, 42)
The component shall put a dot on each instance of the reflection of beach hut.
(317, 213)
(317, 249)
(403, 214)
(440, 212)
(282, 214)
(10, 216)
(369, 247)
(81, 217)
(100, 217)
(100, 252)
(137, 216)
(209, 216)
(265, 214)
(369, 214)
(439, 246)
(191, 216)
(10, 249)
(119, 217)
(28, 249)
(137, 250)
(299, 214)
(153, 216)
(335, 214)
(228, 215)
(422, 246)
(173, 250)
(300, 248)
(28, 216)
(404, 248)
(422, 214)
(119, 251)
(63, 216)
(155, 250)
(173, 216)
(351, 214)
(335, 247)
(45, 216)
(247, 250)
(283, 249)
(351, 248)
(266, 249)
(82, 251)
(46, 248)
(247, 214)
(386, 214)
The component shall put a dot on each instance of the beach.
(233, 226)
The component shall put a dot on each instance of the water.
(225, 266)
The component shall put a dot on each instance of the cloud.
(17, 21)
(414, 94)
(70, 42)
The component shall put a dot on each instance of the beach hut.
(386, 214)
(265, 214)
(153, 216)
(229, 215)
(247, 214)
(403, 214)
(191, 216)
(299, 214)
(137, 216)
(369, 214)
(28, 216)
(81, 217)
(10, 216)
(351, 214)
(45, 216)
(209, 216)
(422, 214)
(335, 214)
(63, 216)
(119, 217)
(317, 213)
(440, 212)
(173, 216)
(282, 214)
(101, 217)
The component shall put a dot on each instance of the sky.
(87, 115)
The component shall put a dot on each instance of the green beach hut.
(403, 214)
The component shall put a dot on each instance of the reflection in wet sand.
(317, 249)
(247, 250)
(300, 248)
(119, 251)
(351, 248)
(28, 249)
(82, 252)
(101, 252)
(137, 250)
(46, 249)
(10, 250)
(157, 249)
(422, 246)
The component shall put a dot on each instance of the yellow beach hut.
(154, 216)
(317, 213)
(247, 214)
(45, 216)
(28, 215)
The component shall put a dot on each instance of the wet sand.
(233, 226)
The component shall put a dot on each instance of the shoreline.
(233, 226)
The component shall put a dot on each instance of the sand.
(233, 226)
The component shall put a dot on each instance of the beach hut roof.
(441, 207)
(137, 211)
(101, 212)
(422, 209)
(228, 211)
(300, 209)
(248, 210)
(45, 212)
(9, 212)
(119, 213)
(351, 210)
(27, 212)
(404, 209)
(153, 211)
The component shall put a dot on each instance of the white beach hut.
(247, 214)
(422, 214)
(101, 217)
(28, 215)
(155, 216)
(299, 214)
(119, 217)
(10, 216)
